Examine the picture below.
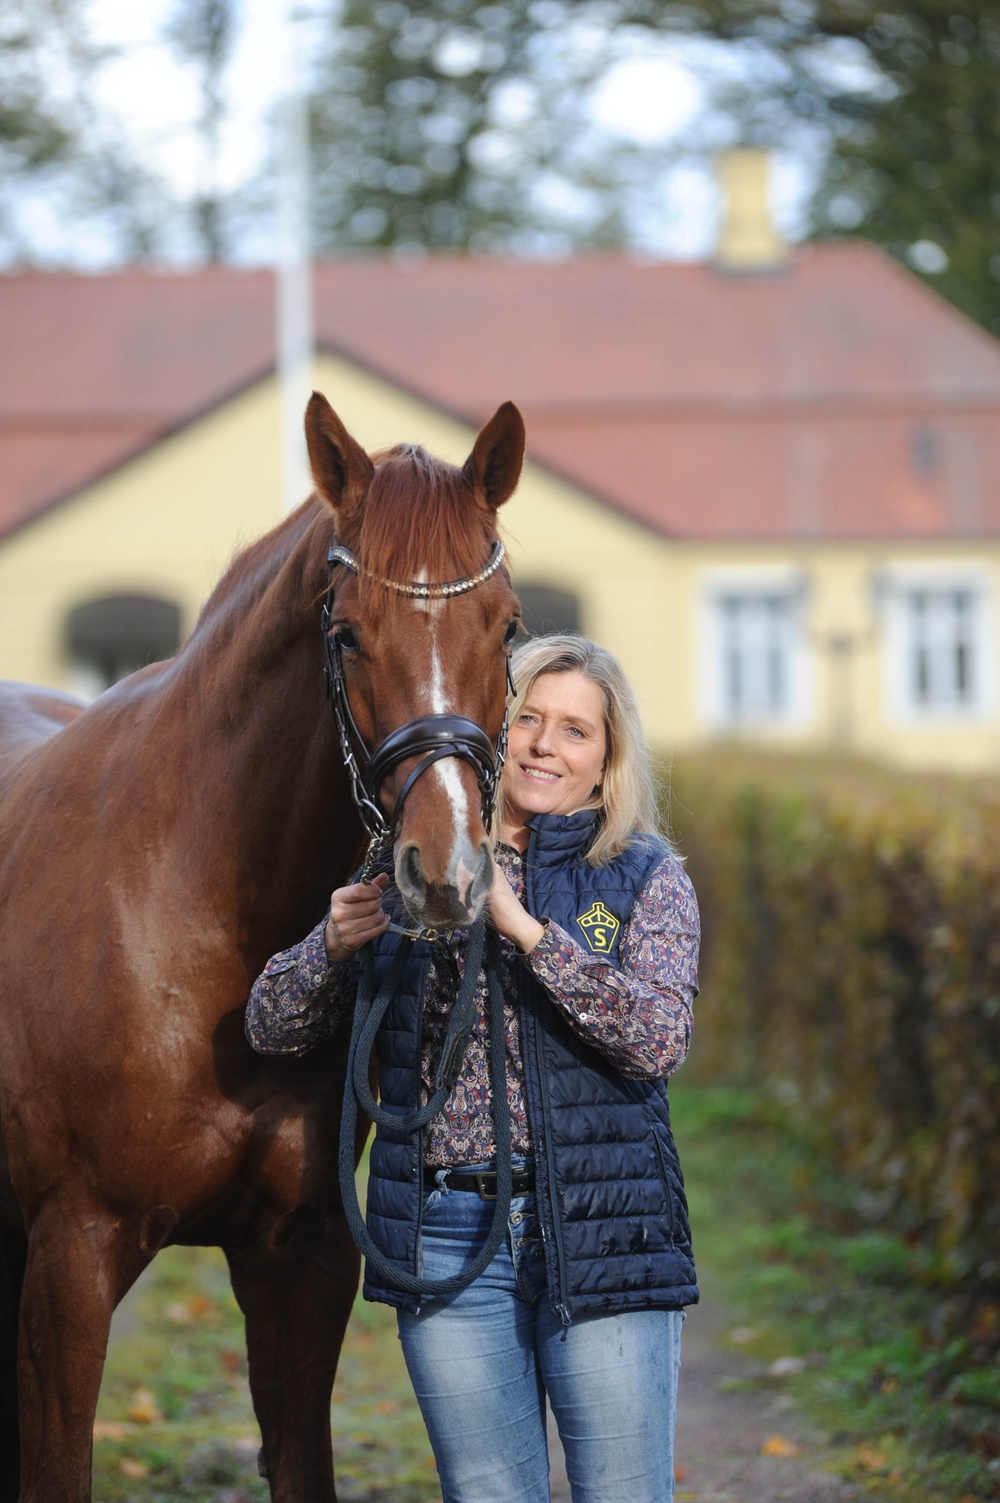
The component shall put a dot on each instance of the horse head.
(421, 618)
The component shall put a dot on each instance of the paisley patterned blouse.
(638, 1016)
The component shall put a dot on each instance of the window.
(938, 656)
(545, 609)
(942, 631)
(111, 637)
(754, 661)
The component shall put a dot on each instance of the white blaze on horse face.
(447, 769)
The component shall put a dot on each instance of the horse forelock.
(421, 520)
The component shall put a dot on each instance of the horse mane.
(421, 518)
(252, 567)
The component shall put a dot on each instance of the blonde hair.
(627, 796)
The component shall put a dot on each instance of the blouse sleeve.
(639, 1015)
(299, 999)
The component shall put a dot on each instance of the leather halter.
(429, 737)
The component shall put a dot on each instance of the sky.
(652, 96)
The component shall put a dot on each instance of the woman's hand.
(512, 921)
(355, 917)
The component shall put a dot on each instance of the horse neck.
(261, 740)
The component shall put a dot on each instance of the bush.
(852, 970)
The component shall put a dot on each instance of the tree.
(452, 124)
(448, 123)
(59, 160)
(918, 170)
(203, 32)
(904, 101)
(33, 125)
(36, 124)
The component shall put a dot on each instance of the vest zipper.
(667, 1188)
(560, 1307)
(420, 1134)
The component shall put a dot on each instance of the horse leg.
(296, 1291)
(13, 1254)
(77, 1268)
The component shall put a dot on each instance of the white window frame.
(752, 582)
(898, 585)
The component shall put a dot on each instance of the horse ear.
(341, 468)
(494, 466)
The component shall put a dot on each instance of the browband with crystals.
(412, 587)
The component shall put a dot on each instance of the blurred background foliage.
(452, 124)
(852, 972)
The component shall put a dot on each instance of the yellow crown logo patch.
(599, 927)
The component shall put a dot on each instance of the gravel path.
(721, 1428)
(726, 1414)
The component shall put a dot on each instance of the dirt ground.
(721, 1429)
(727, 1412)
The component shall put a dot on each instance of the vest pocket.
(668, 1189)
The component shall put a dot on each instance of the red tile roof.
(834, 398)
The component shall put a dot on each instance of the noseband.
(429, 737)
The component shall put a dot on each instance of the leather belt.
(482, 1182)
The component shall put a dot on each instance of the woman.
(584, 1302)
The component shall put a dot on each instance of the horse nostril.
(409, 873)
(482, 881)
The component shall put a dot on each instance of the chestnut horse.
(155, 849)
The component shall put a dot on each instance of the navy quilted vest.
(609, 1187)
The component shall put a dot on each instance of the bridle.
(429, 737)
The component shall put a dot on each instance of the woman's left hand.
(510, 919)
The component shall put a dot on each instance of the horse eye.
(347, 640)
(510, 633)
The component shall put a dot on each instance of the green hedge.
(852, 969)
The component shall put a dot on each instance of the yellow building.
(774, 491)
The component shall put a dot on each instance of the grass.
(900, 1376)
(175, 1420)
(899, 1369)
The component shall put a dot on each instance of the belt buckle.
(481, 1177)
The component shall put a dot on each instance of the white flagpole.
(294, 307)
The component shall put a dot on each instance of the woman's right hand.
(355, 917)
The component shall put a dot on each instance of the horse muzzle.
(455, 898)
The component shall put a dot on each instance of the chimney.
(748, 240)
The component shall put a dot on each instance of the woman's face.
(557, 747)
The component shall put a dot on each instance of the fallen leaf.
(130, 1467)
(785, 1366)
(987, 1323)
(742, 1334)
(681, 1473)
(872, 1460)
(777, 1445)
(385, 1406)
(111, 1430)
(144, 1408)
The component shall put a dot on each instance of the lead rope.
(367, 1020)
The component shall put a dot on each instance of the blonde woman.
(583, 1302)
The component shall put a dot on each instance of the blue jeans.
(481, 1362)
